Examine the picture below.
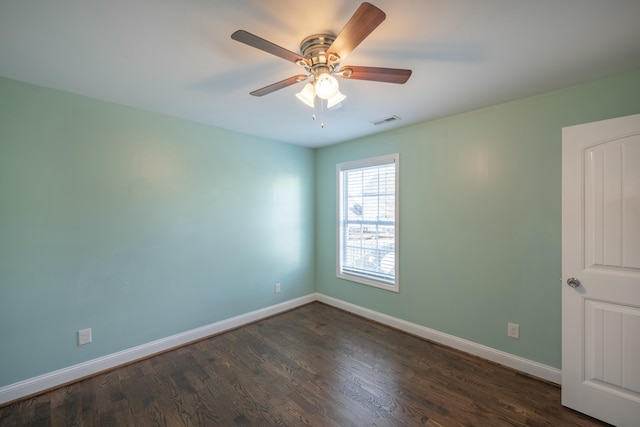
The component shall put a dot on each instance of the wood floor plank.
(312, 366)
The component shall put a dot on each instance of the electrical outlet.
(84, 336)
(277, 288)
(513, 330)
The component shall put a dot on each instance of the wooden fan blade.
(361, 24)
(387, 75)
(280, 85)
(259, 43)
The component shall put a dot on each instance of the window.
(367, 221)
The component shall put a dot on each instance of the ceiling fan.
(321, 56)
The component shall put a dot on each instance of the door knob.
(573, 282)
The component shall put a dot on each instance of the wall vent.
(385, 120)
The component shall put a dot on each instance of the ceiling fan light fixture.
(336, 99)
(307, 95)
(326, 86)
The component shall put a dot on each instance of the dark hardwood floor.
(316, 366)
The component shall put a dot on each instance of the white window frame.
(353, 276)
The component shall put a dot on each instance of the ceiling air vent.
(386, 120)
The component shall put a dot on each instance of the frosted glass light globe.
(326, 86)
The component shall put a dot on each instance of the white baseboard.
(73, 373)
(530, 367)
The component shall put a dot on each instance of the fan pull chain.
(314, 117)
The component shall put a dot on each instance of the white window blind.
(367, 221)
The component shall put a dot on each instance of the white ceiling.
(176, 57)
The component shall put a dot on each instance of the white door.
(601, 258)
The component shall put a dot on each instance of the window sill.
(393, 287)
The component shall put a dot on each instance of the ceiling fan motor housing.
(314, 50)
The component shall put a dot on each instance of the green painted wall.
(137, 225)
(480, 217)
